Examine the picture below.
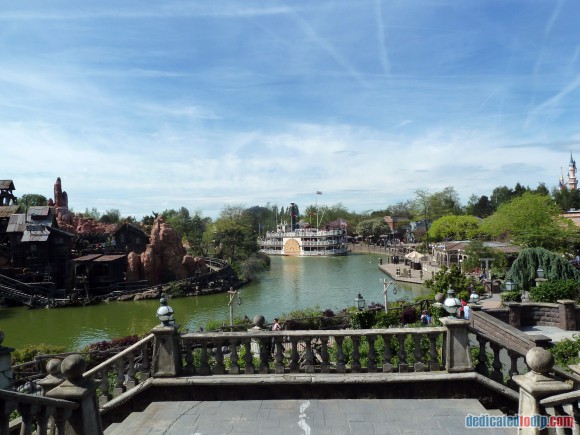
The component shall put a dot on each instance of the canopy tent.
(415, 257)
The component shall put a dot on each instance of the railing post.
(515, 314)
(5, 365)
(166, 352)
(76, 388)
(567, 308)
(536, 385)
(457, 351)
(53, 378)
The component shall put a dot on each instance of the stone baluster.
(6, 371)
(456, 349)
(119, 378)
(308, 357)
(496, 374)
(402, 354)
(279, 355)
(264, 355)
(536, 385)
(27, 413)
(219, 368)
(131, 372)
(105, 387)
(482, 357)
(234, 365)
(433, 355)
(513, 356)
(61, 416)
(204, 368)
(294, 357)
(355, 365)
(387, 354)
(76, 388)
(325, 363)
(372, 364)
(189, 368)
(419, 365)
(340, 365)
(145, 366)
(248, 358)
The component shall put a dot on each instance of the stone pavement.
(307, 417)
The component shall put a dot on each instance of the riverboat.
(304, 242)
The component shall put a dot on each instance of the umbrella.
(415, 257)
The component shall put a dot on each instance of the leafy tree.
(447, 278)
(373, 228)
(542, 189)
(32, 199)
(531, 220)
(179, 220)
(233, 234)
(566, 198)
(480, 207)
(552, 291)
(112, 216)
(431, 207)
(524, 270)
(453, 227)
(500, 195)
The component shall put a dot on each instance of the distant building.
(572, 182)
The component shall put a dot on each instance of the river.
(292, 283)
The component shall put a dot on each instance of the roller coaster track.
(18, 291)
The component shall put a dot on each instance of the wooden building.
(39, 248)
(97, 274)
(129, 237)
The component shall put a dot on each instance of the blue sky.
(143, 106)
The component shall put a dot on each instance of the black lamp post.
(360, 302)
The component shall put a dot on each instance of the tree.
(567, 199)
(32, 199)
(453, 227)
(480, 207)
(500, 195)
(531, 220)
(373, 228)
(112, 216)
(524, 270)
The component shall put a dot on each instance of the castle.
(572, 180)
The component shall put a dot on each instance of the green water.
(291, 283)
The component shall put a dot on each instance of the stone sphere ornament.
(539, 360)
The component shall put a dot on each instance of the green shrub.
(551, 291)
(29, 352)
(514, 296)
(566, 351)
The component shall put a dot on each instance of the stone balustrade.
(127, 368)
(408, 349)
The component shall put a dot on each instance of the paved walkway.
(307, 417)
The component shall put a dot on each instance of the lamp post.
(232, 293)
(360, 302)
(474, 296)
(509, 285)
(451, 303)
(165, 313)
(386, 285)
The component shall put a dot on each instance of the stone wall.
(538, 313)
(564, 314)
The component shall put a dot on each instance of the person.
(425, 317)
(462, 308)
(466, 310)
(276, 326)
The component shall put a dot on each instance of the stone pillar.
(515, 314)
(567, 309)
(537, 385)
(457, 351)
(85, 420)
(166, 352)
(5, 365)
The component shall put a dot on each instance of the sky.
(144, 106)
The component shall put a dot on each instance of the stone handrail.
(34, 410)
(564, 408)
(312, 351)
(130, 367)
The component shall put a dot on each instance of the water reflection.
(292, 283)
